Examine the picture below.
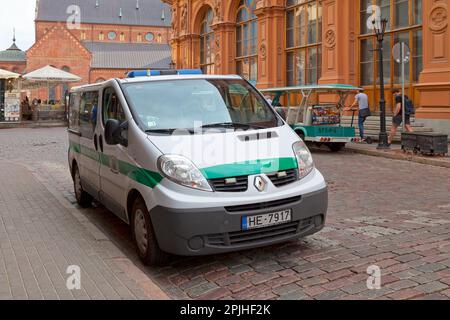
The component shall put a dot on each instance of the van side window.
(74, 111)
(112, 108)
(88, 113)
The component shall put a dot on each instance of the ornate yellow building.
(293, 42)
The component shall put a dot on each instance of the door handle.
(95, 142)
(101, 143)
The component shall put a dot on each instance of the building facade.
(99, 39)
(298, 42)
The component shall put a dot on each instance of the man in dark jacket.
(397, 120)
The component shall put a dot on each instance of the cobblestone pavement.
(388, 213)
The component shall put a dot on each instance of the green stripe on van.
(140, 175)
(249, 168)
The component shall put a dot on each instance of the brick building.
(99, 39)
(295, 42)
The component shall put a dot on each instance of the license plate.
(266, 220)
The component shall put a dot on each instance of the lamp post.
(380, 29)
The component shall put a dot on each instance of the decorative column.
(271, 43)
(434, 81)
(224, 46)
(338, 38)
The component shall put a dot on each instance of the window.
(247, 40)
(206, 43)
(99, 80)
(139, 37)
(122, 37)
(65, 86)
(83, 35)
(101, 36)
(404, 25)
(88, 113)
(112, 35)
(74, 111)
(149, 37)
(303, 42)
(209, 103)
(112, 109)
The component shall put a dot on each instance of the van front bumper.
(206, 231)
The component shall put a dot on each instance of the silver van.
(195, 164)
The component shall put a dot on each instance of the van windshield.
(166, 106)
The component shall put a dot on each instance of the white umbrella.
(50, 74)
(5, 74)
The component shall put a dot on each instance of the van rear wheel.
(84, 199)
(144, 235)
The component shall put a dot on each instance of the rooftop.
(121, 12)
(13, 53)
(129, 55)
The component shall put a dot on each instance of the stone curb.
(404, 157)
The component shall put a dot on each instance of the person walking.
(397, 120)
(362, 100)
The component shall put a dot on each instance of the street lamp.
(380, 29)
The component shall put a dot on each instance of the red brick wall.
(59, 48)
(17, 67)
(92, 32)
(106, 74)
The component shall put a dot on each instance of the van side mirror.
(113, 132)
(281, 112)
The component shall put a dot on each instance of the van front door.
(112, 181)
(89, 164)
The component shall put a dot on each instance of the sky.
(17, 14)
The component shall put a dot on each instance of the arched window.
(404, 25)
(65, 87)
(206, 43)
(99, 80)
(101, 36)
(303, 42)
(247, 40)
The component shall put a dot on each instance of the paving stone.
(431, 287)
(408, 244)
(402, 284)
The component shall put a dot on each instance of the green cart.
(315, 122)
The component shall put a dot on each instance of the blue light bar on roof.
(154, 73)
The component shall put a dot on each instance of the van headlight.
(182, 171)
(304, 159)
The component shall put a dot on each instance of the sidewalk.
(40, 238)
(397, 154)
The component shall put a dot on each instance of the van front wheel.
(144, 236)
(84, 199)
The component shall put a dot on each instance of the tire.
(144, 236)
(84, 199)
(369, 140)
(336, 147)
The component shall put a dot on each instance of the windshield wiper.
(168, 131)
(232, 125)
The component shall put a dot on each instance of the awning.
(5, 74)
(50, 74)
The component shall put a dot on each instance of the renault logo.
(260, 183)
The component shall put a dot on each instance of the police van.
(195, 164)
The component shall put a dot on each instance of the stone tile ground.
(389, 213)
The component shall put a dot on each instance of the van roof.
(177, 77)
(155, 78)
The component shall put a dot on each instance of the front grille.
(284, 178)
(236, 184)
(263, 205)
(254, 236)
